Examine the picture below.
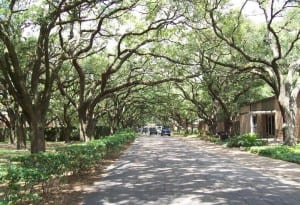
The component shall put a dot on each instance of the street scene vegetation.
(78, 77)
(251, 143)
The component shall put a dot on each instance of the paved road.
(168, 171)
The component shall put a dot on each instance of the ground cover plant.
(29, 176)
(257, 146)
(245, 140)
(286, 153)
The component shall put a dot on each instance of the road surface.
(165, 170)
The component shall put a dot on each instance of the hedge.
(27, 172)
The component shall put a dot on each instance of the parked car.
(145, 130)
(165, 131)
(158, 128)
(153, 131)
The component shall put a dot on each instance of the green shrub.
(26, 171)
(286, 153)
(80, 157)
(21, 182)
(246, 140)
(47, 163)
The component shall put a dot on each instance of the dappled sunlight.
(269, 167)
(165, 170)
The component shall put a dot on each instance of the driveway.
(172, 171)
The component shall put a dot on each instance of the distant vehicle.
(165, 131)
(145, 130)
(153, 131)
(159, 128)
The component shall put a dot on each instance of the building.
(264, 118)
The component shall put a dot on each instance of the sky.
(251, 10)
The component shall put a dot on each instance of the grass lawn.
(8, 151)
(286, 153)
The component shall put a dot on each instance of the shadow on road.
(163, 170)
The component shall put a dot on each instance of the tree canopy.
(123, 63)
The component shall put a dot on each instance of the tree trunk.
(38, 143)
(87, 129)
(67, 132)
(212, 127)
(12, 135)
(228, 126)
(112, 126)
(288, 109)
(20, 124)
(288, 106)
(212, 124)
(83, 128)
(20, 131)
(201, 128)
(91, 128)
(67, 127)
(12, 128)
(112, 130)
(2, 134)
(186, 127)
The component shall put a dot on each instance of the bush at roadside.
(257, 146)
(286, 153)
(27, 172)
(245, 140)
